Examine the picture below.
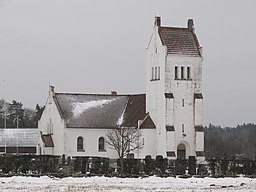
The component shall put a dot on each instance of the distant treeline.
(15, 114)
(230, 143)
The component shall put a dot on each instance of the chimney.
(51, 93)
(191, 25)
(52, 88)
(114, 93)
(158, 21)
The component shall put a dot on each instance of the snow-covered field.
(92, 184)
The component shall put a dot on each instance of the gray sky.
(94, 46)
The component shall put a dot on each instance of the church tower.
(174, 90)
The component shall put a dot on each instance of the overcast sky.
(93, 46)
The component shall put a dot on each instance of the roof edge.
(58, 107)
(101, 94)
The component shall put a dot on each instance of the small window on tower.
(182, 73)
(158, 73)
(155, 73)
(188, 73)
(182, 126)
(176, 72)
(152, 73)
(183, 102)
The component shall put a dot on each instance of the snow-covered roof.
(101, 111)
(24, 137)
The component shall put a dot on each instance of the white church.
(168, 115)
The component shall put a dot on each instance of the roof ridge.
(100, 94)
(184, 28)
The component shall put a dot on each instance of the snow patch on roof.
(80, 107)
(121, 119)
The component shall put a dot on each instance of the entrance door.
(181, 151)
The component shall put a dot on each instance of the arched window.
(101, 144)
(80, 144)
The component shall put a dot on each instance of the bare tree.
(124, 141)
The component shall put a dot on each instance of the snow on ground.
(93, 184)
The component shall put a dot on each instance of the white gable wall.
(52, 123)
(155, 101)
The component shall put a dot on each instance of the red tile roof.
(136, 110)
(148, 123)
(181, 41)
(47, 139)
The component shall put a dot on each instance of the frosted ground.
(93, 184)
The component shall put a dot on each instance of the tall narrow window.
(182, 73)
(155, 73)
(158, 73)
(152, 73)
(183, 102)
(188, 73)
(176, 72)
(182, 127)
(51, 126)
(80, 144)
(101, 144)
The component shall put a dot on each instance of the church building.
(168, 115)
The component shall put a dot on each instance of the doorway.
(181, 151)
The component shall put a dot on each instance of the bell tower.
(174, 90)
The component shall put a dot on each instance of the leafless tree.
(3, 106)
(124, 141)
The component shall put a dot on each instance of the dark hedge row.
(81, 166)
(29, 163)
(235, 167)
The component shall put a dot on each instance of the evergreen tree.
(15, 114)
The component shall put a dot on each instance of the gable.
(148, 123)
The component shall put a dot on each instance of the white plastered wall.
(52, 123)
(185, 113)
(155, 100)
(91, 138)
